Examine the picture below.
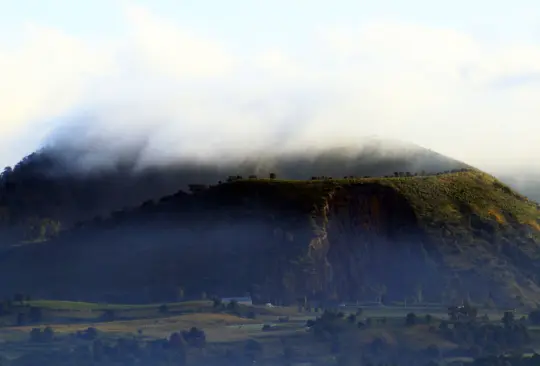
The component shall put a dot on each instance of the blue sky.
(242, 73)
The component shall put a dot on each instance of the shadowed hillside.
(446, 237)
(55, 188)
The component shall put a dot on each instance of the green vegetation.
(446, 198)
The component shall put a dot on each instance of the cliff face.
(370, 244)
(443, 238)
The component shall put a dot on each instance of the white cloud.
(173, 51)
(191, 95)
(46, 72)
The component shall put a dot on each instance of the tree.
(180, 293)
(21, 319)
(36, 314)
(91, 333)
(35, 335)
(109, 315)
(419, 293)
(48, 334)
(217, 303)
(176, 342)
(508, 319)
(272, 175)
(233, 306)
(302, 303)
(381, 292)
(195, 337)
(410, 319)
(163, 309)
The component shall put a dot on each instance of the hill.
(54, 188)
(439, 238)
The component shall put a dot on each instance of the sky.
(203, 79)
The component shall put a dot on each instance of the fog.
(161, 92)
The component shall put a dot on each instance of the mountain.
(443, 237)
(56, 187)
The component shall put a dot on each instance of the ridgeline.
(441, 238)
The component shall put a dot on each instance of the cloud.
(167, 49)
(188, 95)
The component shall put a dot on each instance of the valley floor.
(273, 333)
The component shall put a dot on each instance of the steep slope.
(437, 238)
(61, 188)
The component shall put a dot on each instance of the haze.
(207, 79)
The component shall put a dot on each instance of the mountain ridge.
(51, 188)
(446, 237)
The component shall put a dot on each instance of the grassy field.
(224, 330)
(88, 307)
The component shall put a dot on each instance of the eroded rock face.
(371, 246)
